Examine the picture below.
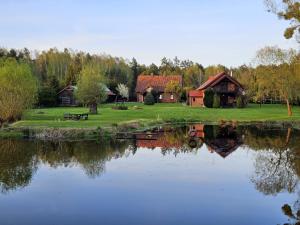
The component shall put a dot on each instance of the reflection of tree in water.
(178, 141)
(18, 163)
(19, 160)
(91, 155)
(274, 172)
(276, 164)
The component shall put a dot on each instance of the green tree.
(91, 90)
(208, 98)
(193, 76)
(288, 10)
(152, 69)
(47, 94)
(149, 99)
(216, 103)
(18, 89)
(135, 72)
(174, 88)
(281, 75)
(239, 102)
(213, 70)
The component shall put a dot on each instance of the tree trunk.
(289, 107)
(288, 136)
(93, 108)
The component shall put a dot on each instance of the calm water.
(244, 175)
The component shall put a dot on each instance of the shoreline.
(96, 133)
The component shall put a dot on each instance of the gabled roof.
(212, 81)
(68, 88)
(158, 83)
(223, 151)
(109, 92)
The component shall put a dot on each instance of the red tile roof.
(160, 140)
(216, 79)
(158, 83)
(196, 93)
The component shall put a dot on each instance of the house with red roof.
(156, 84)
(224, 85)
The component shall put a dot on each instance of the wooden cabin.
(148, 83)
(66, 96)
(224, 85)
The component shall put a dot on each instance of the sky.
(227, 32)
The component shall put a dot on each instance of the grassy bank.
(107, 118)
(48, 123)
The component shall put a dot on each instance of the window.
(231, 87)
(194, 99)
(172, 97)
(160, 97)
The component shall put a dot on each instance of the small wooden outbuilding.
(222, 84)
(66, 96)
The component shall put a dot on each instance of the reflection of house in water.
(160, 139)
(222, 140)
(223, 147)
(197, 130)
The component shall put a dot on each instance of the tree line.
(37, 77)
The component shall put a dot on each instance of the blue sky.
(227, 32)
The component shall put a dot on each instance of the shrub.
(240, 102)
(149, 99)
(216, 103)
(208, 98)
(155, 95)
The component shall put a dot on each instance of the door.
(223, 100)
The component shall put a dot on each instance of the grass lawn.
(53, 117)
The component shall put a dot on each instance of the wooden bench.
(76, 116)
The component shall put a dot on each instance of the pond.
(193, 174)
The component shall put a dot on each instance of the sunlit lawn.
(53, 117)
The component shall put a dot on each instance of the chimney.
(231, 74)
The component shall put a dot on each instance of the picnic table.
(76, 116)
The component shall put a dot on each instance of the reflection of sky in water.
(148, 188)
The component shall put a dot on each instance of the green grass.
(107, 117)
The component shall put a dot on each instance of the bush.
(208, 98)
(216, 103)
(149, 99)
(240, 102)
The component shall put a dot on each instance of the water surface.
(194, 174)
